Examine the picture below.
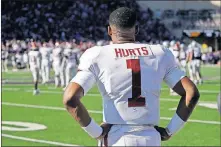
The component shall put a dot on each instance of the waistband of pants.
(134, 127)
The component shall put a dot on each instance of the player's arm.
(72, 101)
(182, 85)
(189, 98)
(189, 56)
(77, 88)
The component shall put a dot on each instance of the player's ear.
(109, 31)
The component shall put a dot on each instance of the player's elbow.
(194, 94)
(72, 95)
(70, 100)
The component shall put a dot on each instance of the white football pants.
(125, 135)
(59, 74)
(190, 69)
(45, 71)
(35, 73)
(70, 72)
(183, 65)
(5, 65)
(196, 69)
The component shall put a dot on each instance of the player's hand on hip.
(163, 133)
(106, 128)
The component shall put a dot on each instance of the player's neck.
(123, 40)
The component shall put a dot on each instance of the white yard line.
(98, 112)
(93, 94)
(37, 140)
(45, 91)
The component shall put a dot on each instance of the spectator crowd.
(67, 20)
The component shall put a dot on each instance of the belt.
(134, 127)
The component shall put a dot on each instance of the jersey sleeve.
(86, 75)
(173, 74)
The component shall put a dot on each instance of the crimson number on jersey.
(137, 100)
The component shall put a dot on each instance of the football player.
(174, 48)
(57, 61)
(182, 57)
(194, 59)
(45, 62)
(189, 61)
(34, 61)
(165, 44)
(129, 77)
(19, 59)
(4, 54)
(196, 62)
(71, 61)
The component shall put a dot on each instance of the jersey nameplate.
(142, 51)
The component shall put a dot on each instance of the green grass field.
(18, 104)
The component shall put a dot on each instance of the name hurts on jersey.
(142, 51)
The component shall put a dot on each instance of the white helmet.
(193, 43)
(182, 46)
(165, 44)
(172, 43)
(100, 43)
(57, 44)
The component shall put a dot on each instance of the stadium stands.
(64, 20)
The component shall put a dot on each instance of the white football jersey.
(45, 53)
(196, 51)
(175, 51)
(34, 59)
(4, 54)
(182, 55)
(129, 78)
(57, 55)
(19, 58)
(71, 57)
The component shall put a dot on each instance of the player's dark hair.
(123, 18)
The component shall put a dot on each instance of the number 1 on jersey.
(137, 100)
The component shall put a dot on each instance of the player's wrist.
(93, 129)
(175, 125)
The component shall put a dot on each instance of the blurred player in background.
(174, 48)
(26, 60)
(129, 77)
(182, 57)
(71, 62)
(4, 54)
(34, 61)
(189, 60)
(19, 59)
(57, 63)
(194, 62)
(45, 62)
(165, 44)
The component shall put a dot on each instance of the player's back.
(129, 78)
